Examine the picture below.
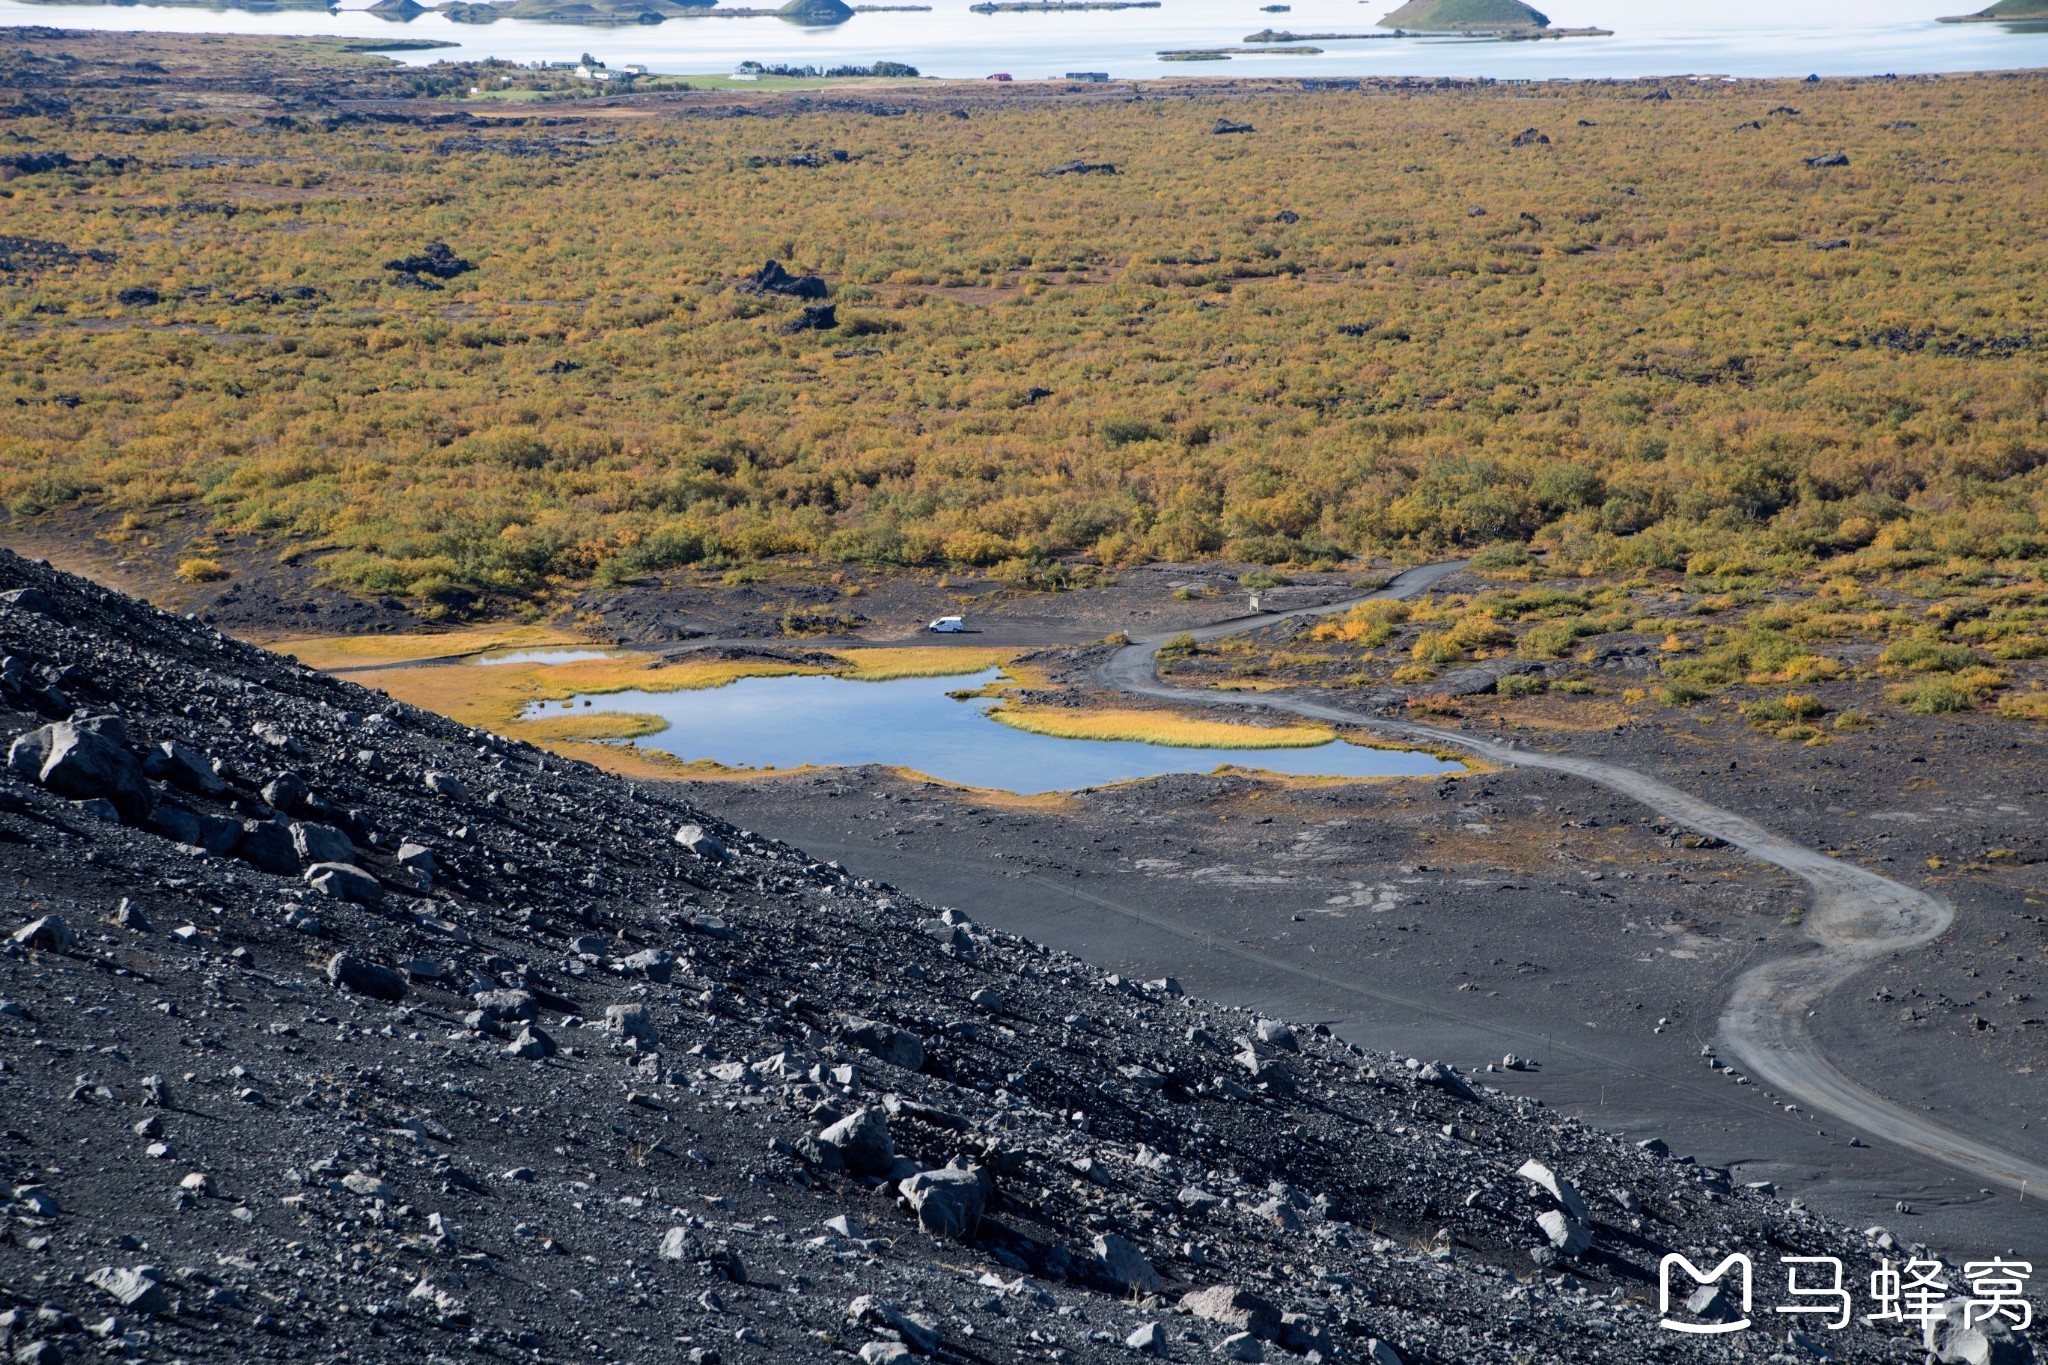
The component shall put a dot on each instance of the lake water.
(913, 723)
(1668, 37)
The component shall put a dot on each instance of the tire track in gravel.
(1854, 918)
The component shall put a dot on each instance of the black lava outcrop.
(813, 317)
(424, 269)
(773, 278)
(331, 1027)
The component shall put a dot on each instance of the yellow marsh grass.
(920, 661)
(1160, 727)
(356, 651)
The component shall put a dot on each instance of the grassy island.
(1465, 16)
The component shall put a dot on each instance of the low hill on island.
(816, 11)
(2004, 10)
(1462, 15)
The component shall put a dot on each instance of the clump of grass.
(1369, 624)
(1181, 646)
(1504, 561)
(198, 570)
(1523, 685)
(1932, 698)
(817, 621)
(2025, 706)
(1681, 693)
(1927, 656)
(1435, 647)
(1775, 712)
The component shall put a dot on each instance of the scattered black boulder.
(813, 317)
(85, 760)
(433, 262)
(772, 278)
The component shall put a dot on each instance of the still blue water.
(912, 723)
(1670, 37)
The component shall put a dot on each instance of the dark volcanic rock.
(435, 259)
(772, 278)
(34, 163)
(85, 760)
(358, 974)
(814, 317)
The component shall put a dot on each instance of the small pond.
(547, 655)
(913, 723)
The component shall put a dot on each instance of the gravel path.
(1855, 917)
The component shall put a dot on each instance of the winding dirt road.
(1854, 916)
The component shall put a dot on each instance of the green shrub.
(1435, 647)
(1503, 557)
(1523, 685)
(1552, 640)
(817, 621)
(1921, 655)
(1933, 698)
(1776, 711)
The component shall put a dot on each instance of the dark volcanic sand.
(1505, 912)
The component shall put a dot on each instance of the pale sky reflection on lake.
(1728, 37)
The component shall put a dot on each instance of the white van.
(948, 625)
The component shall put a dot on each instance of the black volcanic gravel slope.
(331, 1030)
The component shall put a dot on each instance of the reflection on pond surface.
(913, 723)
(543, 656)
